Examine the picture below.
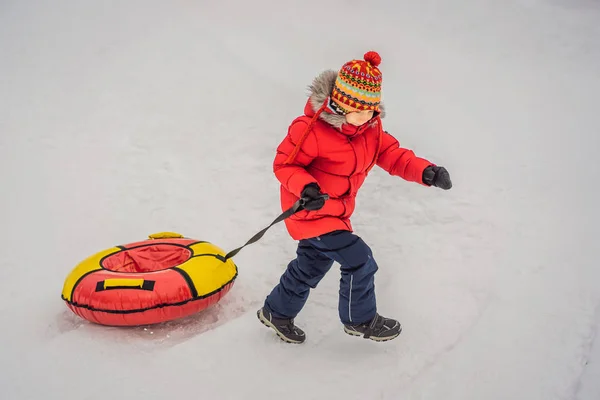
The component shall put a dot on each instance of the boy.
(330, 150)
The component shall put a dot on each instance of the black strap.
(298, 206)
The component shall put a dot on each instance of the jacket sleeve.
(401, 162)
(294, 176)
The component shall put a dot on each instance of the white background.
(119, 119)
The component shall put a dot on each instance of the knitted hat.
(358, 85)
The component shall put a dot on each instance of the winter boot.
(378, 329)
(284, 328)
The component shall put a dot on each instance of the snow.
(121, 119)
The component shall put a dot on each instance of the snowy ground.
(120, 119)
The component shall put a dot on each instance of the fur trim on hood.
(320, 89)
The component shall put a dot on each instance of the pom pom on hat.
(358, 85)
(373, 58)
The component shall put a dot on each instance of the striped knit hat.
(358, 85)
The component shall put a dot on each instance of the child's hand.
(437, 176)
(315, 198)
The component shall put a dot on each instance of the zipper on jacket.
(355, 158)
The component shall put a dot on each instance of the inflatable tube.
(161, 279)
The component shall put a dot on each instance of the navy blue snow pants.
(315, 257)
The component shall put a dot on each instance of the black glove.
(312, 193)
(437, 176)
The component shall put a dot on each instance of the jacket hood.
(320, 90)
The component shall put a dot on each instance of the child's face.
(359, 118)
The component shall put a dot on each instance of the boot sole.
(268, 324)
(374, 338)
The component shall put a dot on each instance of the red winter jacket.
(322, 148)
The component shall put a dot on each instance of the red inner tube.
(149, 258)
